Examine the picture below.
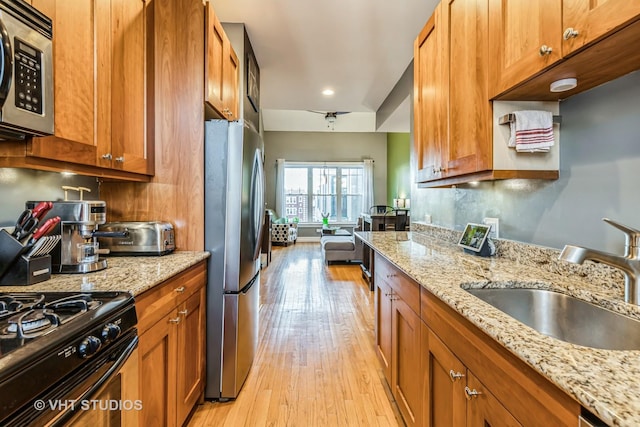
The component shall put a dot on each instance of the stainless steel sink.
(565, 317)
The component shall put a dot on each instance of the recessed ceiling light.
(328, 92)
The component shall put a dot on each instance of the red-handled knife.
(41, 209)
(45, 228)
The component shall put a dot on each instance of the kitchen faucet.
(629, 264)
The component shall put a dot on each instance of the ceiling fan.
(330, 116)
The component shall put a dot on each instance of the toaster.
(144, 238)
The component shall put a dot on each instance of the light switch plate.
(495, 227)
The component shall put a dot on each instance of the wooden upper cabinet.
(121, 86)
(74, 91)
(430, 97)
(586, 21)
(232, 74)
(470, 147)
(452, 108)
(100, 81)
(525, 37)
(222, 70)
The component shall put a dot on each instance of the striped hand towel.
(532, 131)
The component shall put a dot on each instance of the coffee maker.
(77, 251)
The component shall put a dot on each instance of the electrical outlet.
(494, 233)
(427, 218)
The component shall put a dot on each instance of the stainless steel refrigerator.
(234, 211)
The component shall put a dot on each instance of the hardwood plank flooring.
(316, 363)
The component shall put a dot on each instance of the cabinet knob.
(570, 33)
(183, 312)
(120, 159)
(455, 376)
(107, 156)
(545, 50)
(180, 289)
(175, 320)
(470, 394)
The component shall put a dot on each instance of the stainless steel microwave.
(26, 71)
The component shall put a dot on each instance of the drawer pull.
(180, 290)
(470, 394)
(389, 276)
(183, 312)
(175, 321)
(455, 376)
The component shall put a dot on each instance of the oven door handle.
(6, 63)
(114, 369)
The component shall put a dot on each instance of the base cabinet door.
(190, 336)
(406, 382)
(158, 374)
(446, 382)
(383, 326)
(483, 409)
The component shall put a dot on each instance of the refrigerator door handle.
(257, 199)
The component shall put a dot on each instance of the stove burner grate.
(29, 316)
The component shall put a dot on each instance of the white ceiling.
(359, 48)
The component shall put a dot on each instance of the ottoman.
(340, 248)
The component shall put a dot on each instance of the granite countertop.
(606, 382)
(130, 274)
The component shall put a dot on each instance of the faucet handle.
(632, 235)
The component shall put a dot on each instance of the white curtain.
(280, 210)
(367, 199)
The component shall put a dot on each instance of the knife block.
(28, 271)
(10, 250)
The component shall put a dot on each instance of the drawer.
(157, 302)
(406, 288)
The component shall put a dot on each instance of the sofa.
(340, 248)
(283, 234)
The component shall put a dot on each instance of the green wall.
(398, 170)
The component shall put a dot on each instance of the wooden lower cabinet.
(483, 409)
(158, 374)
(443, 371)
(458, 398)
(383, 326)
(398, 338)
(172, 348)
(405, 346)
(473, 381)
(191, 340)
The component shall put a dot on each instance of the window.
(314, 190)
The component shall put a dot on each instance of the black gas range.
(57, 346)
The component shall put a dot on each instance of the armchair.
(284, 233)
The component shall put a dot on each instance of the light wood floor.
(316, 363)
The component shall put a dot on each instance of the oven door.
(103, 392)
